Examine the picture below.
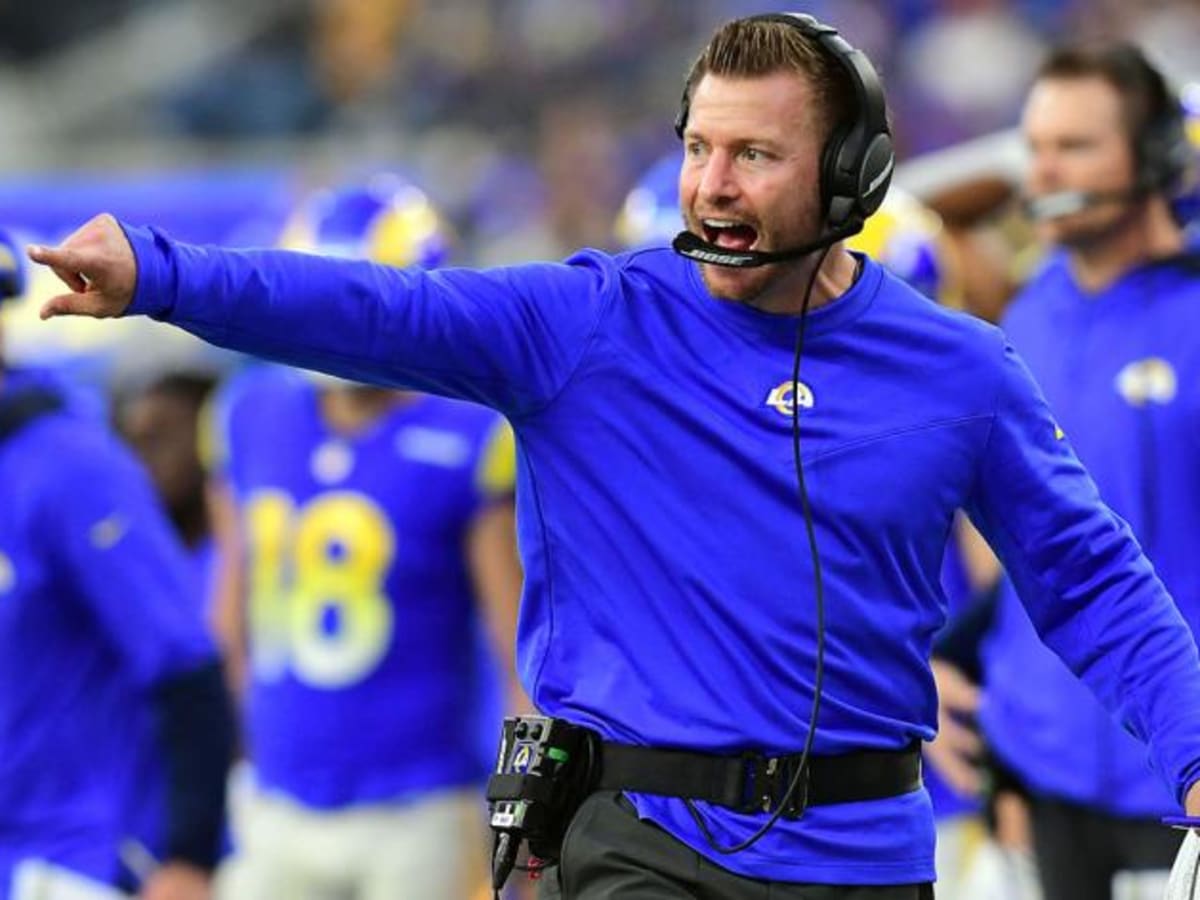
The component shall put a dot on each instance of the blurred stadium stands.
(528, 120)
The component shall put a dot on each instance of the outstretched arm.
(509, 338)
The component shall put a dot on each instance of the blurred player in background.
(100, 648)
(378, 535)
(1109, 328)
(160, 419)
(907, 237)
(1185, 199)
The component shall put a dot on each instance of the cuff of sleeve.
(150, 296)
(1187, 779)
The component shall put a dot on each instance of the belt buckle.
(779, 771)
(752, 782)
(767, 781)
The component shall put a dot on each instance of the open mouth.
(729, 234)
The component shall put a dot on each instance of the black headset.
(1161, 148)
(858, 159)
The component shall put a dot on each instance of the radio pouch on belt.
(544, 771)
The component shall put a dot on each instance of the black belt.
(753, 782)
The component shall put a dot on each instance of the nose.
(718, 181)
(1042, 169)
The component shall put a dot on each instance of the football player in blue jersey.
(378, 543)
(739, 461)
(101, 649)
(1105, 326)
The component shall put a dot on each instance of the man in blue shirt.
(98, 637)
(907, 238)
(1109, 328)
(672, 598)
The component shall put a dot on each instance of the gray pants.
(610, 854)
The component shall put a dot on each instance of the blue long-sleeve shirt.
(1122, 369)
(669, 589)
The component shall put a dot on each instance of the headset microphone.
(696, 248)
(1067, 203)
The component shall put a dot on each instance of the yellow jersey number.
(317, 573)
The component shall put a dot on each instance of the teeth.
(721, 223)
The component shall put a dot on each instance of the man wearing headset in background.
(744, 622)
(1110, 327)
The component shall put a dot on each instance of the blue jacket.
(1121, 370)
(669, 592)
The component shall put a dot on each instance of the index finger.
(60, 262)
(69, 276)
(54, 257)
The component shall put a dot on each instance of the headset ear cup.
(837, 190)
(1168, 153)
(853, 182)
(875, 174)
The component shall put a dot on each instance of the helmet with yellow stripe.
(906, 237)
(1186, 202)
(384, 218)
(650, 215)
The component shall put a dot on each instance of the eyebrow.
(766, 143)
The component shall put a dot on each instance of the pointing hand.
(97, 264)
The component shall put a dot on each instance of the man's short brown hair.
(757, 46)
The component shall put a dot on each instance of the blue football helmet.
(905, 236)
(385, 218)
(1186, 202)
(650, 215)
(12, 266)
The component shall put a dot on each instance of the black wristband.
(960, 639)
(196, 729)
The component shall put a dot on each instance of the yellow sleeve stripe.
(496, 473)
